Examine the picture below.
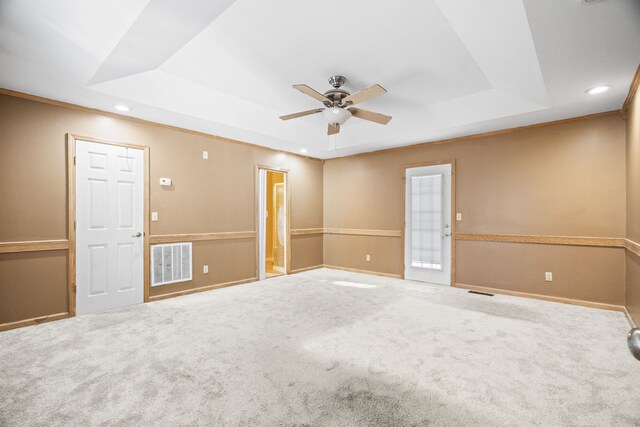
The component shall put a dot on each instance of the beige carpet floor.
(324, 348)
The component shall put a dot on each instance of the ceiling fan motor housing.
(336, 96)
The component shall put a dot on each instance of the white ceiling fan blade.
(301, 114)
(370, 115)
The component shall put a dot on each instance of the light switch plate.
(368, 257)
(205, 155)
(458, 216)
(165, 181)
(548, 276)
(154, 216)
(205, 269)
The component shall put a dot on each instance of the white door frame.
(261, 207)
(452, 219)
(71, 214)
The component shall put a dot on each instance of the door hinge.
(74, 160)
(74, 225)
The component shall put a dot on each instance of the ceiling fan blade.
(364, 95)
(301, 114)
(370, 115)
(314, 94)
(333, 129)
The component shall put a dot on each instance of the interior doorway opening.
(273, 223)
(276, 226)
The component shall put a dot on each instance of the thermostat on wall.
(165, 181)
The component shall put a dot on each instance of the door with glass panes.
(427, 236)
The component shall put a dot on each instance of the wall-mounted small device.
(165, 181)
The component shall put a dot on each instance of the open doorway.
(273, 223)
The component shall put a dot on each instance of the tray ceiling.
(451, 68)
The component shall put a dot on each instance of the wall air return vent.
(170, 263)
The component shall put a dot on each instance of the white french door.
(427, 236)
(109, 226)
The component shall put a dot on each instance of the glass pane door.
(427, 233)
(426, 221)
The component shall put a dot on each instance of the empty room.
(319, 213)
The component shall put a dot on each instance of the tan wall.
(309, 249)
(228, 261)
(579, 272)
(212, 195)
(633, 207)
(32, 284)
(566, 179)
(351, 251)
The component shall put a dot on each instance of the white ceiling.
(225, 67)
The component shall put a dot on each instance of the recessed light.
(304, 150)
(121, 107)
(598, 89)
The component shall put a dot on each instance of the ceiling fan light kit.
(336, 115)
(339, 103)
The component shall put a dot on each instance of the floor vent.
(486, 294)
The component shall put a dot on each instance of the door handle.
(138, 234)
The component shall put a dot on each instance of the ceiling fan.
(339, 104)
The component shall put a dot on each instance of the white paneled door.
(427, 236)
(109, 226)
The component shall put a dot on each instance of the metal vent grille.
(487, 294)
(171, 263)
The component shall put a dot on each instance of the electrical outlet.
(548, 276)
(154, 216)
(458, 216)
(205, 155)
(368, 257)
(205, 269)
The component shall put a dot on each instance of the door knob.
(138, 234)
